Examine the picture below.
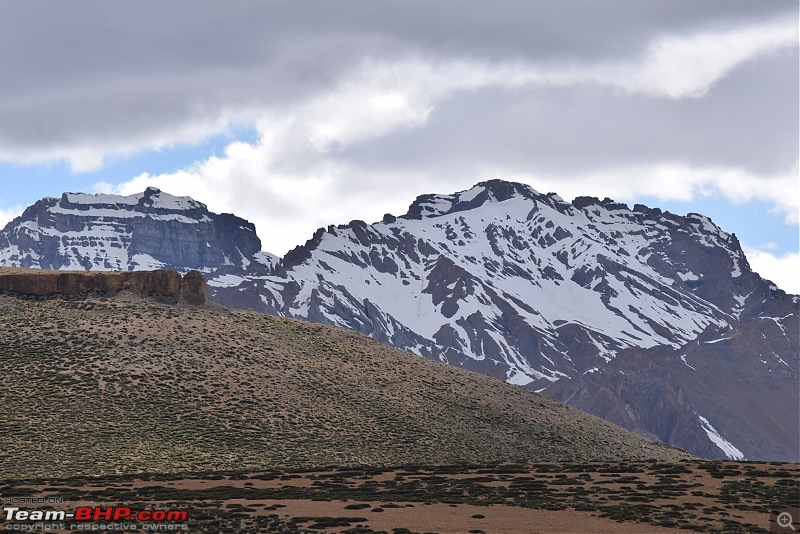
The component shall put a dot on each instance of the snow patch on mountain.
(726, 446)
(151, 197)
(226, 280)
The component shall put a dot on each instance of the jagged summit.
(497, 191)
(433, 205)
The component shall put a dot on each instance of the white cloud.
(687, 66)
(103, 187)
(8, 214)
(780, 269)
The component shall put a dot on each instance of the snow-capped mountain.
(150, 230)
(597, 304)
(522, 285)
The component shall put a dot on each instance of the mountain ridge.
(530, 289)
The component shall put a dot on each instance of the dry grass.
(109, 386)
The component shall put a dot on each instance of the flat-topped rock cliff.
(146, 231)
(163, 284)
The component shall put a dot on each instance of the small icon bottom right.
(785, 521)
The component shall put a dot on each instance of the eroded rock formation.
(164, 284)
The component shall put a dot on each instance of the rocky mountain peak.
(435, 205)
(151, 198)
(501, 190)
(148, 230)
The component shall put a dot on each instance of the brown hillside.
(124, 385)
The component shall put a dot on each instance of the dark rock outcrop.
(733, 382)
(193, 288)
(164, 284)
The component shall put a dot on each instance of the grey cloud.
(111, 73)
(747, 120)
(70, 40)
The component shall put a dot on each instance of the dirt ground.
(631, 497)
(458, 519)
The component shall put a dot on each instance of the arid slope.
(100, 386)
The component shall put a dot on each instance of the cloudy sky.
(301, 114)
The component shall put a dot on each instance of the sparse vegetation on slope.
(102, 386)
